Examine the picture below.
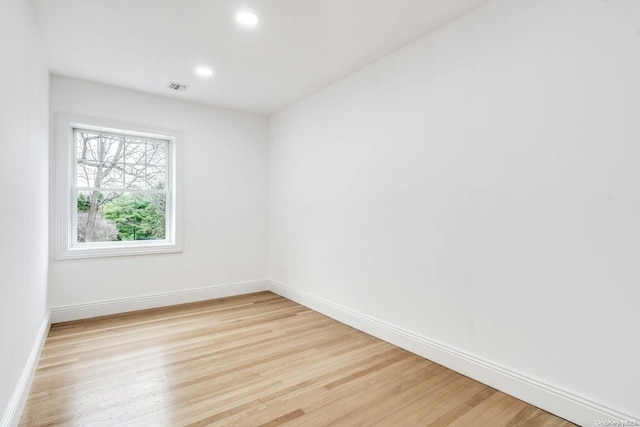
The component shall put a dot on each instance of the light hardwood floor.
(251, 360)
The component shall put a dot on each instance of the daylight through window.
(121, 187)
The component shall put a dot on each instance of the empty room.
(320, 213)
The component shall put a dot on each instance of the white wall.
(224, 209)
(23, 192)
(481, 187)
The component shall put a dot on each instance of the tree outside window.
(120, 187)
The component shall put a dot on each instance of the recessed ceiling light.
(204, 71)
(247, 19)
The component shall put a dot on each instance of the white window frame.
(65, 207)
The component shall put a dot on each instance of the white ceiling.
(299, 47)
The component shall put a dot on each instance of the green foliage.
(84, 202)
(134, 216)
(137, 216)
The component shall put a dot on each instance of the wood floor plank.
(250, 360)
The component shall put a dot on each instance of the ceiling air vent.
(177, 86)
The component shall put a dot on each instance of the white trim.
(18, 401)
(122, 305)
(139, 247)
(553, 399)
(65, 231)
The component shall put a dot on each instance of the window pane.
(100, 175)
(156, 153)
(85, 173)
(86, 155)
(99, 160)
(92, 224)
(155, 178)
(87, 145)
(135, 177)
(120, 216)
(111, 149)
(135, 151)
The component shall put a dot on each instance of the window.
(117, 189)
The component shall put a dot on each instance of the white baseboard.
(18, 401)
(562, 403)
(122, 305)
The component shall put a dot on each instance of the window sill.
(89, 250)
